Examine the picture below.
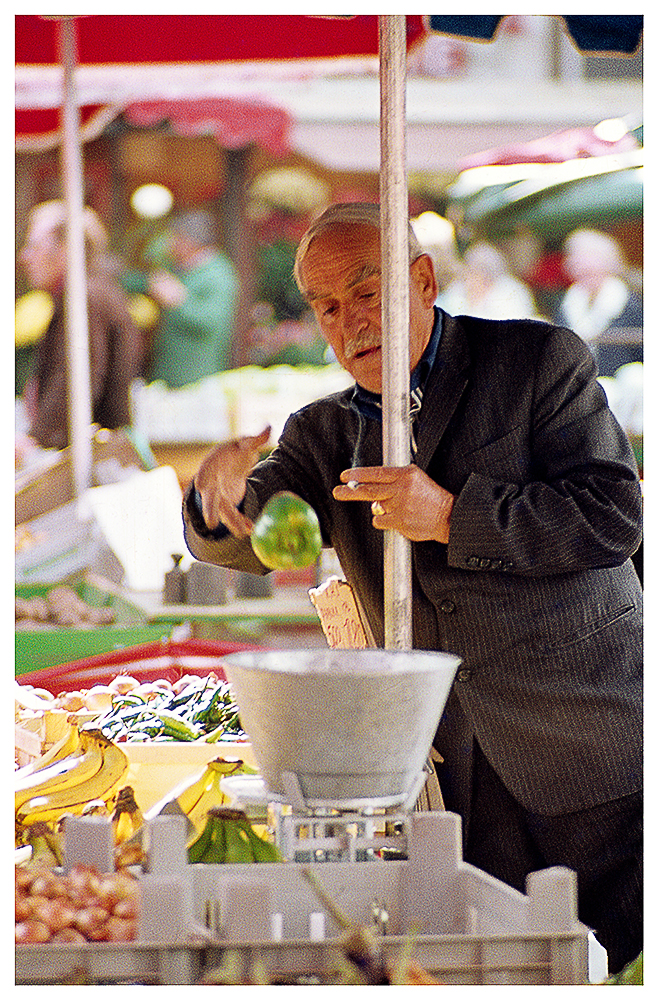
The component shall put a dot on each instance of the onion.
(23, 907)
(162, 683)
(185, 681)
(98, 698)
(47, 884)
(123, 683)
(83, 878)
(32, 932)
(121, 930)
(55, 914)
(71, 701)
(69, 935)
(89, 920)
(126, 909)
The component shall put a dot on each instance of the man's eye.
(329, 310)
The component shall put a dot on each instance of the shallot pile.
(72, 909)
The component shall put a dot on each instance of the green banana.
(263, 850)
(238, 845)
(228, 838)
(46, 846)
(101, 784)
(197, 848)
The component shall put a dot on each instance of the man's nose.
(355, 317)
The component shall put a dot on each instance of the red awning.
(233, 123)
(163, 41)
(164, 38)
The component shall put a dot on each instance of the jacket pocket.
(506, 457)
(591, 628)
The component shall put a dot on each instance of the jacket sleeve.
(582, 507)
(218, 547)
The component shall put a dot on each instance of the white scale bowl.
(345, 729)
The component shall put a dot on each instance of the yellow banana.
(100, 785)
(213, 795)
(61, 774)
(67, 745)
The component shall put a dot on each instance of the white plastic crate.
(465, 927)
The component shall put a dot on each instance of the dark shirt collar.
(370, 403)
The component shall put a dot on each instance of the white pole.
(75, 301)
(395, 313)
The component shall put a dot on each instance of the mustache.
(363, 342)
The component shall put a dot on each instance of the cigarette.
(353, 485)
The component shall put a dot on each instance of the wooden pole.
(75, 300)
(395, 313)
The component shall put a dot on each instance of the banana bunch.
(65, 785)
(228, 838)
(194, 797)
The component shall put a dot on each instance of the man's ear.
(422, 273)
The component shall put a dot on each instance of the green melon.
(287, 533)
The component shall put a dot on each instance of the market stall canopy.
(590, 32)
(551, 199)
(332, 101)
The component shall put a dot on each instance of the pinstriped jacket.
(535, 590)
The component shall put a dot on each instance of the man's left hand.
(402, 499)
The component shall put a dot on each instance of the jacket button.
(464, 675)
(447, 606)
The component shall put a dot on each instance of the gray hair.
(197, 224)
(352, 213)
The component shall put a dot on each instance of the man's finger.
(371, 474)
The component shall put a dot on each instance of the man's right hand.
(222, 481)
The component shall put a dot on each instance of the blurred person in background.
(600, 305)
(115, 344)
(486, 288)
(436, 235)
(198, 300)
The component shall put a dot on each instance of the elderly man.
(523, 508)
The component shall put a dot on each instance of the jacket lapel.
(447, 381)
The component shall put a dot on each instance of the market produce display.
(287, 533)
(61, 606)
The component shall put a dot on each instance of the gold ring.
(377, 508)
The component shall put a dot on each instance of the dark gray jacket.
(535, 590)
